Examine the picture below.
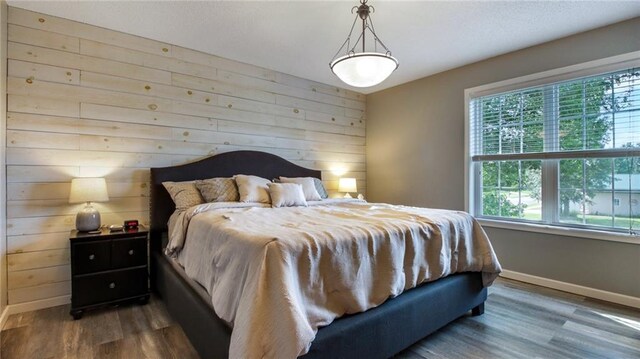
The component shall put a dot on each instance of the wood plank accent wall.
(87, 101)
(3, 170)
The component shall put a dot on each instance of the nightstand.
(108, 268)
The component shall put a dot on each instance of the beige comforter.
(277, 274)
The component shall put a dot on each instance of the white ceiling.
(300, 37)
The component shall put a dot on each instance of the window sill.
(561, 231)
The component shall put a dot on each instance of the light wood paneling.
(85, 101)
(38, 242)
(38, 277)
(40, 259)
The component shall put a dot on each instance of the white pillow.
(253, 188)
(308, 186)
(286, 195)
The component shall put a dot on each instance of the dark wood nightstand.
(108, 268)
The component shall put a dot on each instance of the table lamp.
(347, 185)
(88, 190)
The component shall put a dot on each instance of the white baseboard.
(3, 317)
(573, 288)
(36, 304)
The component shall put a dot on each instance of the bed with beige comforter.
(278, 274)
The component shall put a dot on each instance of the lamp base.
(88, 219)
(347, 195)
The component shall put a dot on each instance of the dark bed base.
(377, 333)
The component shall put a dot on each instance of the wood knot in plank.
(41, 19)
(153, 107)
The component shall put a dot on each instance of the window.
(564, 153)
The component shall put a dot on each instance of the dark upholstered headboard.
(227, 164)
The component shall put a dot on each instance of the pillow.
(320, 188)
(308, 186)
(218, 189)
(253, 188)
(286, 195)
(183, 194)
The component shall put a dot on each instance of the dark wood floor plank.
(48, 333)
(520, 321)
(177, 343)
(19, 320)
(103, 325)
(153, 345)
(14, 342)
(612, 323)
(157, 314)
(133, 320)
(614, 341)
(76, 339)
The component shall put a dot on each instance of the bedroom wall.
(86, 101)
(415, 156)
(3, 181)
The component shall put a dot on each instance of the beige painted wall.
(86, 101)
(415, 156)
(3, 181)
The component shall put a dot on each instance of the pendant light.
(366, 68)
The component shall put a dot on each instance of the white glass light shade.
(347, 185)
(88, 190)
(365, 69)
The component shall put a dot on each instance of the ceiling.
(300, 37)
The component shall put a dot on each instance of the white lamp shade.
(365, 69)
(88, 190)
(347, 185)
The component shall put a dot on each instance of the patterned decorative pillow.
(218, 189)
(184, 194)
(286, 195)
(253, 188)
(320, 188)
(308, 186)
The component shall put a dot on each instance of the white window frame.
(471, 194)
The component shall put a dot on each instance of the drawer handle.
(130, 252)
(112, 285)
(91, 257)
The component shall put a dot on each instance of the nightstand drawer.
(91, 257)
(105, 287)
(128, 252)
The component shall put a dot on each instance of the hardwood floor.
(132, 331)
(520, 321)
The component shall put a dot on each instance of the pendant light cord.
(367, 23)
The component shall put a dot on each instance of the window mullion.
(550, 170)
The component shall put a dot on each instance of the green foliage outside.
(514, 123)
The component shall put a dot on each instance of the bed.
(379, 332)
